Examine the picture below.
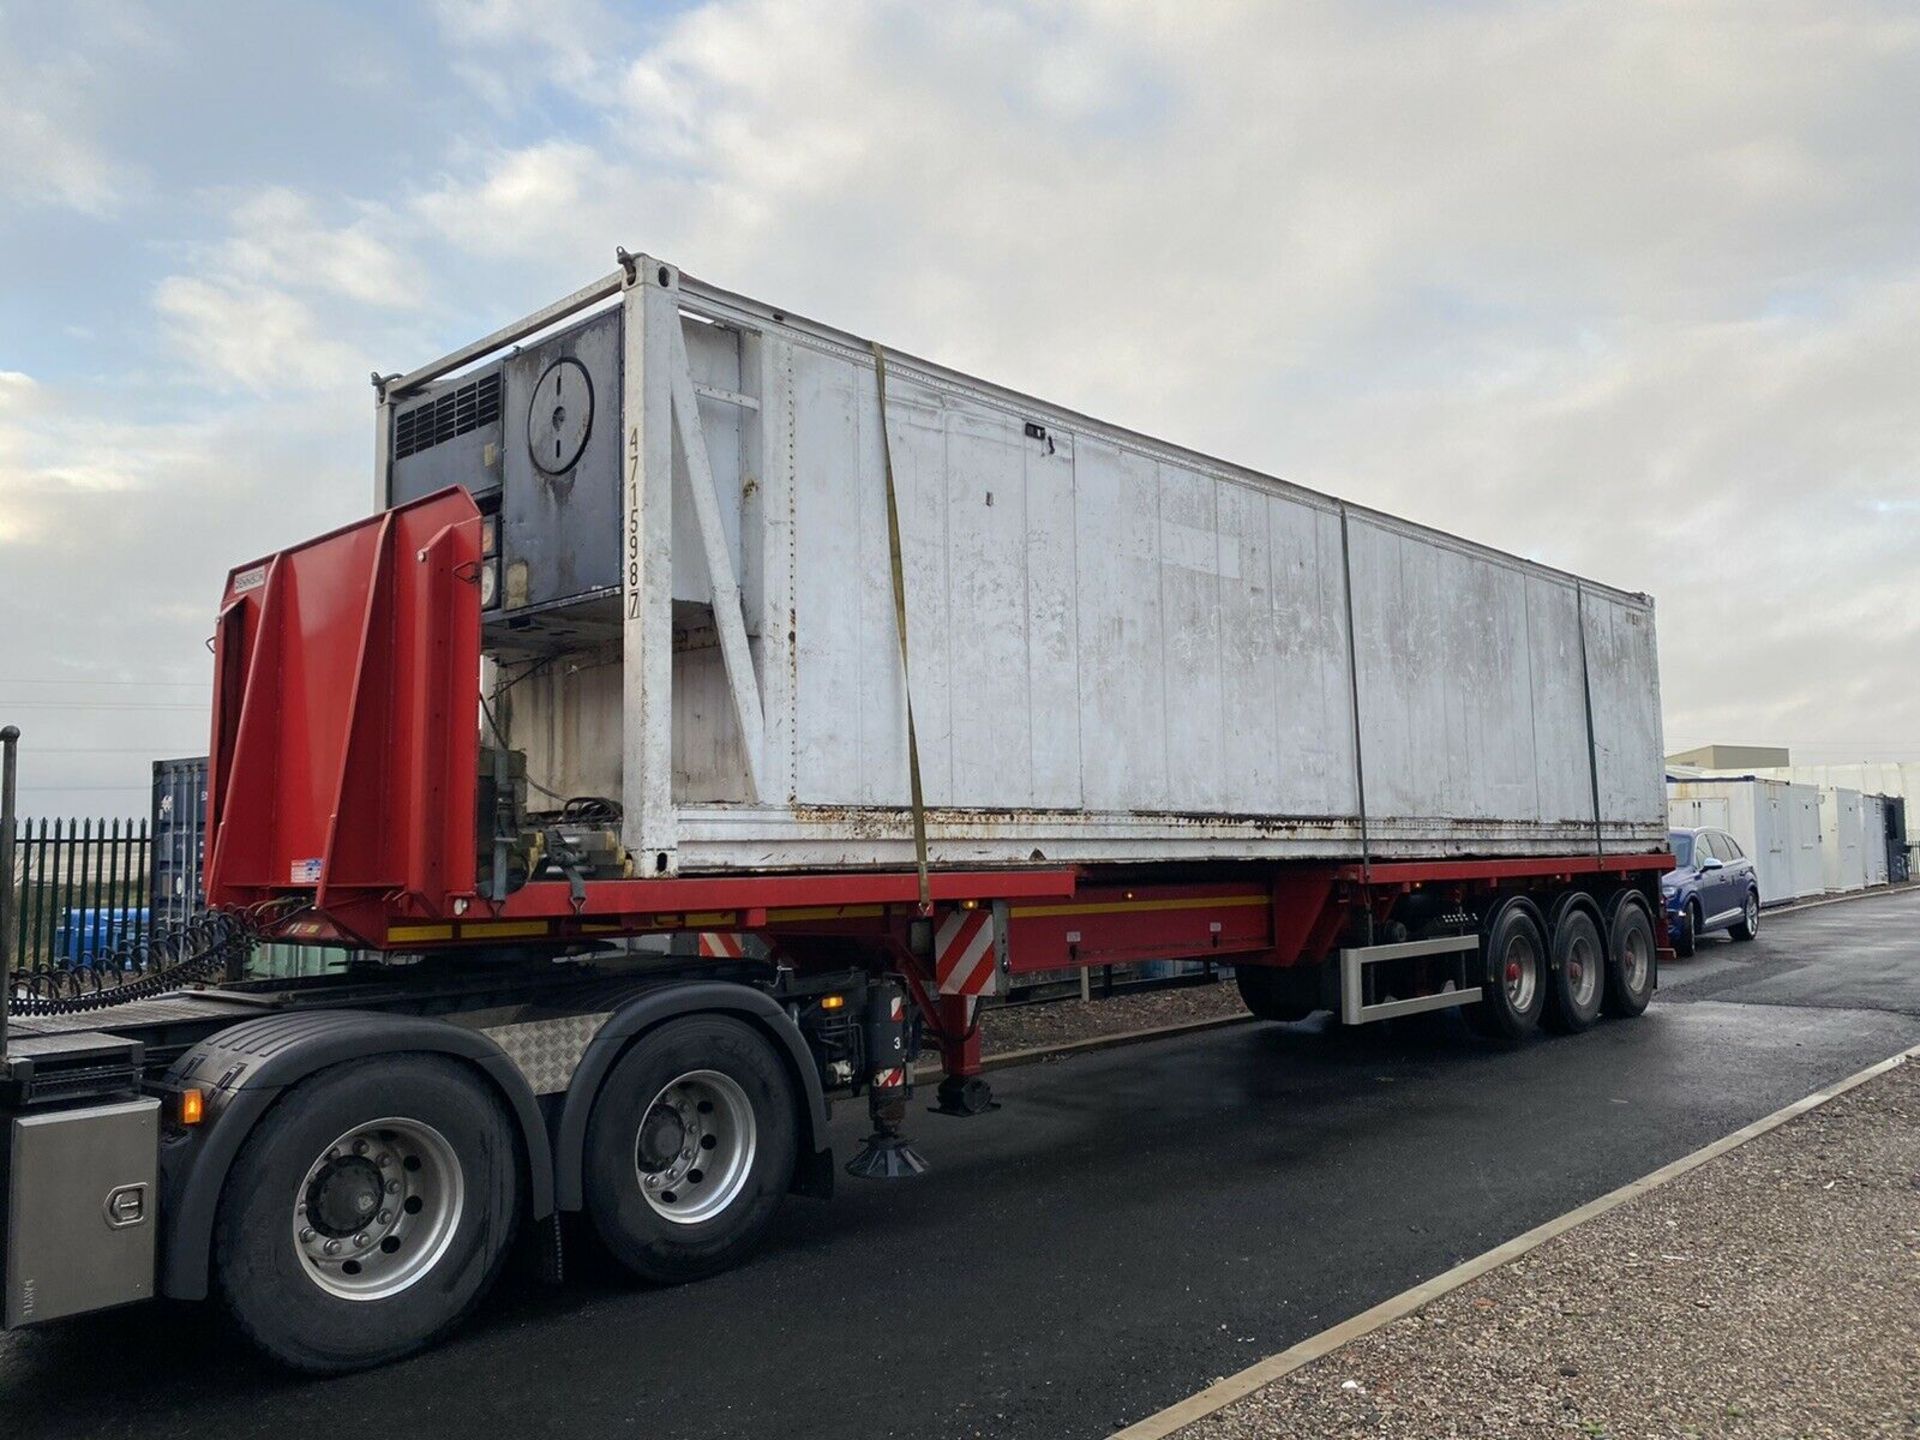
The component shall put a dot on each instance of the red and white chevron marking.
(965, 957)
(722, 945)
(891, 1078)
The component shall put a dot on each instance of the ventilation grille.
(452, 413)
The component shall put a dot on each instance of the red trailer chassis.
(344, 777)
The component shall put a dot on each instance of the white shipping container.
(1118, 649)
(1776, 823)
(1842, 865)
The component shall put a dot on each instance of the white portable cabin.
(1116, 649)
(1776, 823)
(1842, 865)
(1873, 837)
(1888, 778)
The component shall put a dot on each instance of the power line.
(138, 684)
(89, 750)
(127, 789)
(100, 705)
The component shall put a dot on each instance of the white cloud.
(507, 49)
(269, 305)
(45, 161)
(278, 238)
(50, 153)
(252, 335)
(520, 203)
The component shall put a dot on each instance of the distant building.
(1732, 757)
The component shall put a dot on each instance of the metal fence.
(80, 888)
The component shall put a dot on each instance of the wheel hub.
(344, 1195)
(663, 1135)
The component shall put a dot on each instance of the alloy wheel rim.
(378, 1208)
(1582, 972)
(1522, 975)
(1635, 961)
(695, 1147)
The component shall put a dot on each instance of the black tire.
(269, 1285)
(1510, 1002)
(1284, 993)
(1748, 925)
(1633, 959)
(666, 1250)
(1576, 979)
(1687, 938)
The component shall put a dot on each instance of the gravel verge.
(1056, 1022)
(1773, 1291)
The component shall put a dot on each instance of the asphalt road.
(1129, 1226)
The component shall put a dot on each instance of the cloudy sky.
(1633, 289)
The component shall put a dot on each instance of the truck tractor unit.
(715, 711)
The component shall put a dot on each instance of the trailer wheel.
(1576, 981)
(1275, 992)
(690, 1148)
(1632, 958)
(1515, 989)
(367, 1214)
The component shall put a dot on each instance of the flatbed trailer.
(345, 1161)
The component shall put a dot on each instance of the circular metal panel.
(560, 416)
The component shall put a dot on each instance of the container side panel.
(709, 764)
(988, 622)
(828, 582)
(1563, 784)
(1123, 697)
(1401, 706)
(880, 699)
(1250, 655)
(1311, 708)
(1191, 581)
(1053, 650)
(713, 358)
(567, 720)
(1626, 711)
(919, 437)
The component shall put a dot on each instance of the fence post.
(9, 750)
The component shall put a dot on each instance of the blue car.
(1711, 887)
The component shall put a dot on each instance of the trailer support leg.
(886, 1155)
(962, 1090)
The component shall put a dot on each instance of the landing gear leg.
(886, 1154)
(962, 1092)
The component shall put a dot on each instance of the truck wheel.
(1631, 958)
(367, 1213)
(1515, 989)
(1748, 925)
(1576, 980)
(690, 1148)
(1274, 992)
